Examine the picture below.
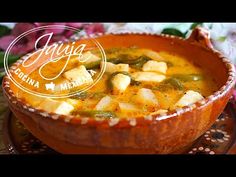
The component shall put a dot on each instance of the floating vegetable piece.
(152, 54)
(96, 113)
(188, 98)
(88, 57)
(54, 106)
(93, 65)
(97, 95)
(155, 66)
(127, 107)
(84, 95)
(80, 95)
(120, 82)
(188, 77)
(104, 103)
(139, 62)
(79, 75)
(111, 68)
(170, 83)
(109, 81)
(148, 77)
(145, 97)
(133, 62)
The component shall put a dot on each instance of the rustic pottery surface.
(219, 139)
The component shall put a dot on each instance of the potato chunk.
(127, 107)
(155, 66)
(145, 97)
(120, 82)
(111, 68)
(148, 76)
(54, 106)
(152, 54)
(188, 98)
(79, 75)
(88, 57)
(104, 103)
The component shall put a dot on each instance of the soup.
(136, 82)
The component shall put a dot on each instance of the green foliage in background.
(177, 32)
(4, 30)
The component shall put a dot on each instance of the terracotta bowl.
(161, 133)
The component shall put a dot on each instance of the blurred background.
(223, 35)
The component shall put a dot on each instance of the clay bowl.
(161, 133)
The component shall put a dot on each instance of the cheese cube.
(127, 107)
(54, 106)
(79, 75)
(155, 66)
(120, 82)
(148, 76)
(188, 98)
(152, 54)
(104, 103)
(111, 68)
(145, 97)
(88, 57)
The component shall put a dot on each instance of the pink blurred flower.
(62, 34)
(20, 28)
(234, 94)
(23, 46)
(55, 31)
(27, 44)
(94, 28)
(59, 34)
(5, 41)
(75, 25)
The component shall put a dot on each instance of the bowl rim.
(126, 122)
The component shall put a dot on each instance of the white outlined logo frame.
(6, 67)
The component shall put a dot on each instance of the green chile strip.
(188, 77)
(170, 83)
(98, 114)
